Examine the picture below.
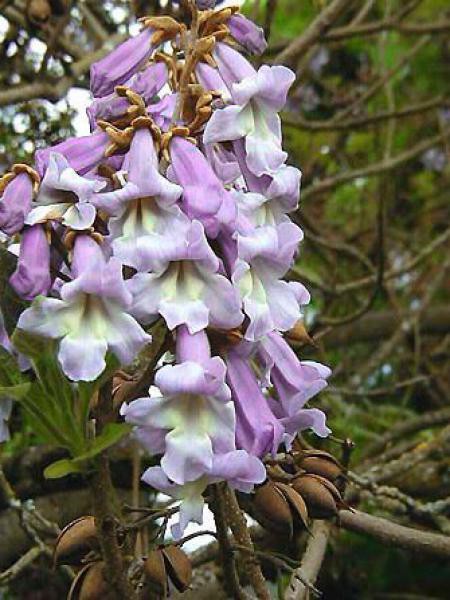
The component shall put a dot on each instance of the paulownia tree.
(155, 316)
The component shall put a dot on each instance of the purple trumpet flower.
(146, 83)
(119, 65)
(91, 317)
(204, 197)
(232, 66)
(257, 429)
(64, 196)
(296, 382)
(189, 390)
(82, 153)
(188, 289)
(257, 97)
(162, 112)
(145, 214)
(250, 36)
(239, 469)
(281, 189)
(193, 425)
(264, 256)
(32, 275)
(15, 203)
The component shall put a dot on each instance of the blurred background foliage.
(368, 122)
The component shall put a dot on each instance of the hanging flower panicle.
(176, 207)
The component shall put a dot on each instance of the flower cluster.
(176, 207)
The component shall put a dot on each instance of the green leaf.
(111, 434)
(16, 392)
(86, 389)
(30, 344)
(61, 468)
(10, 373)
(10, 304)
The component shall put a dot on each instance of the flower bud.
(32, 275)
(206, 4)
(15, 203)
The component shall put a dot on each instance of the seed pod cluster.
(167, 565)
(289, 499)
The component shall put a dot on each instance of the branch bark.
(311, 562)
(378, 325)
(393, 534)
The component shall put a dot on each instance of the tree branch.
(315, 30)
(311, 562)
(384, 166)
(399, 536)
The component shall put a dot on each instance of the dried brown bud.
(165, 28)
(38, 12)
(320, 463)
(322, 498)
(75, 541)
(155, 573)
(272, 509)
(90, 584)
(178, 566)
(299, 334)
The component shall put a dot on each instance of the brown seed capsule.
(38, 11)
(296, 502)
(319, 499)
(320, 463)
(155, 573)
(272, 509)
(75, 541)
(178, 566)
(90, 584)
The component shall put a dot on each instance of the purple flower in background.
(15, 203)
(91, 317)
(249, 35)
(32, 275)
(119, 65)
(64, 196)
